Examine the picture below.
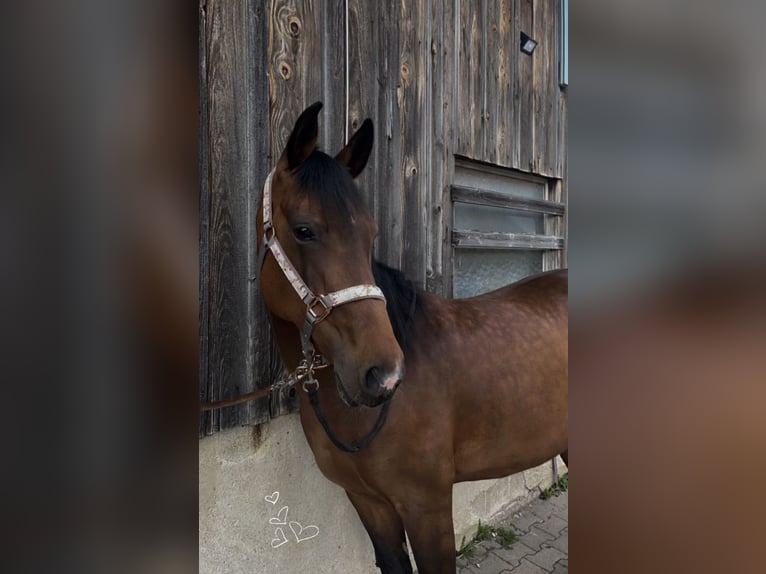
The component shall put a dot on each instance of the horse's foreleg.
(431, 533)
(386, 531)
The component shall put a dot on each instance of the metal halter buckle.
(302, 371)
(316, 318)
(311, 381)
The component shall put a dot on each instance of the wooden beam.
(496, 199)
(496, 240)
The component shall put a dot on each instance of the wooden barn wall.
(511, 104)
(438, 79)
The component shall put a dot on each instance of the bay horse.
(440, 391)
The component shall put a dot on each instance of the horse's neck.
(288, 341)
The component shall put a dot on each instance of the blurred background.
(99, 286)
(668, 289)
(98, 246)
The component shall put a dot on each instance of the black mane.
(402, 300)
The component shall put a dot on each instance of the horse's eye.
(303, 233)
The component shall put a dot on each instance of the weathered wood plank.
(546, 87)
(295, 68)
(497, 199)
(416, 135)
(374, 91)
(499, 98)
(332, 14)
(226, 371)
(236, 148)
(516, 84)
(443, 98)
(484, 79)
(470, 82)
(523, 86)
(205, 391)
(496, 240)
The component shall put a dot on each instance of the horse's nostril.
(372, 381)
(377, 382)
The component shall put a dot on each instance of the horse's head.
(326, 232)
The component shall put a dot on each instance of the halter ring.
(314, 316)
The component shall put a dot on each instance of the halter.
(318, 307)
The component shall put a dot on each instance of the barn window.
(506, 225)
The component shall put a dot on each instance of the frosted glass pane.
(479, 271)
(470, 177)
(484, 218)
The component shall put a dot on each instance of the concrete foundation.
(240, 531)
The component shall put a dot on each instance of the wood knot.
(354, 124)
(285, 70)
(405, 72)
(294, 25)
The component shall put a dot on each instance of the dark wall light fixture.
(528, 45)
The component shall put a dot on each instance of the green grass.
(502, 536)
(561, 485)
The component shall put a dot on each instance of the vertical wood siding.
(237, 350)
(439, 79)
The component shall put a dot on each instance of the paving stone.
(546, 558)
(526, 567)
(467, 568)
(560, 568)
(522, 521)
(554, 525)
(561, 501)
(467, 564)
(543, 508)
(485, 568)
(493, 563)
(561, 542)
(490, 544)
(515, 553)
(536, 538)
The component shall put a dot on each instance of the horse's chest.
(335, 465)
(338, 468)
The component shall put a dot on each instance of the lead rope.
(356, 446)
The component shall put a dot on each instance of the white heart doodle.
(272, 498)
(311, 531)
(280, 538)
(280, 518)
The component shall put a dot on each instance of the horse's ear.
(357, 151)
(303, 138)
